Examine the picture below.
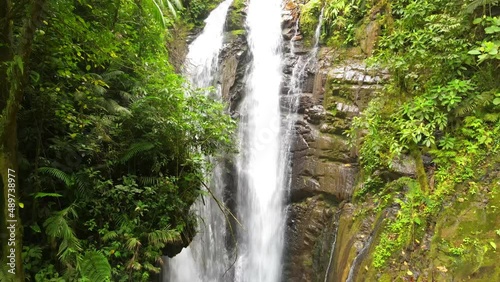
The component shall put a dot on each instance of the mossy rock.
(309, 19)
(236, 16)
(466, 240)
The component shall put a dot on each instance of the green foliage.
(115, 141)
(95, 267)
(341, 18)
(490, 46)
(309, 18)
(407, 224)
(442, 102)
(197, 10)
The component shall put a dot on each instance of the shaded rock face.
(311, 222)
(233, 61)
(322, 238)
(234, 57)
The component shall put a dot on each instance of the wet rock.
(315, 114)
(305, 102)
(345, 110)
(309, 223)
(288, 33)
(234, 58)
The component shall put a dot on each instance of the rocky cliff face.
(331, 236)
(323, 238)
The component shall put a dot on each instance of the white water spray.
(260, 198)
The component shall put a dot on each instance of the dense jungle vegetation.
(440, 109)
(105, 142)
(96, 124)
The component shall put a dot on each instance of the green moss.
(309, 19)
(236, 18)
(237, 32)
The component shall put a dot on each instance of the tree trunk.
(14, 60)
(421, 174)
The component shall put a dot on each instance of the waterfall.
(260, 185)
(206, 259)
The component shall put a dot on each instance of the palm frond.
(156, 11)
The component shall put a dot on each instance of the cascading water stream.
(260, 181)
(304, 62)
(205, 260)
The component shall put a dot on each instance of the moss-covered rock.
(309, 19)
(236, 17)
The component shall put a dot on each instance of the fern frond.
(95, 267)
(149, 180)
(43, 195)
(159, 238)
(114, 108)
(108, 76)
(109, 236)
(80, 188)
(133, 243)
(58, 227)
(492, 117)
(59, 174)
(473, 103)
(136, 149)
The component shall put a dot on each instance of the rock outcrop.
(322, 237)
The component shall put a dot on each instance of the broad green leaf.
(492, 29)
(493, 245)
(474, 52)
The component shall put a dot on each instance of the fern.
(59, 174)
(95, 267)
(57, 227)
(80, 188)
(108, 76)
(133, 243)
(149, 180)
(109, 236)
(492, 117)
(159, 238)
(43, 195)
(136, 149)
(472, 103)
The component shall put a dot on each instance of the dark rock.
(305, 102)
(315, 114)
